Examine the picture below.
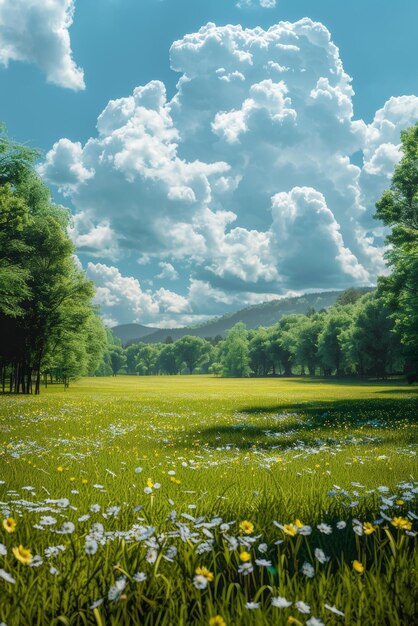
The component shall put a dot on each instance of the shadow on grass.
(287, 426)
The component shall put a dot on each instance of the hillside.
(128, 333)
(265, 314)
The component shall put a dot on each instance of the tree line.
(354, 337)
(49, 329)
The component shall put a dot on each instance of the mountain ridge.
(253, 316)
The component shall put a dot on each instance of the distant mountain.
(128, 333)
(265, 314)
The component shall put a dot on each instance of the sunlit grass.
(219, 452)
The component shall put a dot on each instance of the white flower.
(95, 508)
(341, 525)
(157, 485)
(3, 549)
(302, 607)
(116, 590)
(151, 555)
(333, 609)
(171, 473)
(36, 561)
(326, 529)
(138, 470)
(53, 550)
(263, 563)
(147, 490)
(139, 577)
(6, 576)
(84, 518)
(97, 603)
(358, 530)
(66, 529)
(320, 556)
(47, 520)
(90, 546)
(53, 571)
(305, 530)
(263, 547)
(308, 570)
(280, 603)
(245, 569)
(252, 605)
(200, 582)
(313, 621)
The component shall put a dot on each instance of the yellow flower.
(400, 502)
(245, 556)
(24, 555)
(84, 481)
(60, 468)
(368, 528)
(203, 571)
(401, 522)
(290, 529)
(247, 527)
(217, 621)
(358, 567)
(299, 524)
(9, 525)
(150, 484)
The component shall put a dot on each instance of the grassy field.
(196, 500)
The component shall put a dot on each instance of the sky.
(214, 153)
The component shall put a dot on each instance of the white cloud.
(264, 4)
(37, 31)
(244, 180)
(168, 272)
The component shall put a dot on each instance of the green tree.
(235, 353)
(190, 350)
(398, 208)
(330, 350)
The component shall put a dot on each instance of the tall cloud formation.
(36, 32)
(248, 174)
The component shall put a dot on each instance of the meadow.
(204, 501)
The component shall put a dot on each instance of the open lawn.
(299, 498)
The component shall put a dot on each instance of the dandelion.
(290, 529)
(280, 603)
(24, 555)
(358, 567)
(302, 607)
(200, 582)
(203, 571)
(9, 525)
(245, 556)
(246, 527)
(217, 620)
(402, 522)
(368, 528)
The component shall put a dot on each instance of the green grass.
(263, 450)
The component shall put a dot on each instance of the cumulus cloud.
(38, 32)
(264, 4)
(245, 180)
(168, 272)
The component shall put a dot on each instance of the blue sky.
(256, 178)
